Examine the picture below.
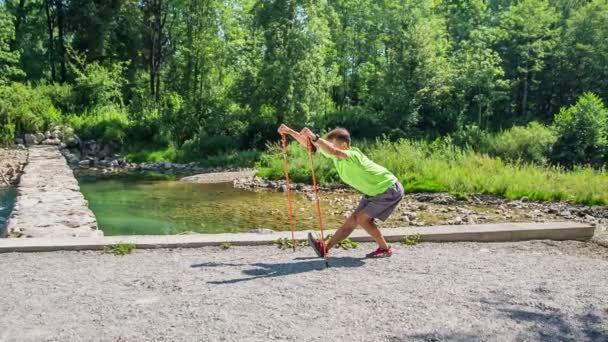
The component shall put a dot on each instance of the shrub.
(581, 133)
(107, 124)
(470, 136)
(24, 109)
(531, 143)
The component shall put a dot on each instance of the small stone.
(565, 213)
(525, 199)
(84, 163)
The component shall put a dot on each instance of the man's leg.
(343, 232)
(367, 222)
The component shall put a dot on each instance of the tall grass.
(442, 167)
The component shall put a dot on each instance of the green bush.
(531, 143)
(107, 124)
(581, 133)
(470, 136)
(24, 109)
(97, 86)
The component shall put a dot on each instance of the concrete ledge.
(502, 232)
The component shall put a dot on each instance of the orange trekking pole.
(318, 203)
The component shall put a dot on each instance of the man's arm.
(283, 129)
(325, 145)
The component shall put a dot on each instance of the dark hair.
(340, 135)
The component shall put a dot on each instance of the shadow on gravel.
(551, 324)
(264, 270)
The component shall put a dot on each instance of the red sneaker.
(381, 253)
(317, 245)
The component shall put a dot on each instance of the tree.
(527, 36)
(582, 133)
(9, 59)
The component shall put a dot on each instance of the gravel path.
(430, 292)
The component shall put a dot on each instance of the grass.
(225, 245)
(285, 243)
(120, 249)
(439, 167)
(412, 240)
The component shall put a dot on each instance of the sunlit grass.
(424, 167)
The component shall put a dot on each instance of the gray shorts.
(381, 206)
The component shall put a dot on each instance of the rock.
(311, 196)
(50, 141)
(19, 141)
(456, 221)
(411, 216)
(72, 141)
(90, 147)
(167, 165)
(105, 151)
(21, 147)
(72, 159)
(39, 137)
(84, 163)
(565, 213)
(525, 199)
(114, 163)
(30, 139)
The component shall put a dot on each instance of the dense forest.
(212, 76)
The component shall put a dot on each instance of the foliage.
(225, 245)
(285, 243)
(582, 133)
(208, 79)
(107, 123)
(9, 58)
(412, 240)
(24, 109)
(442, 167)
(531, 143)
(120, 249)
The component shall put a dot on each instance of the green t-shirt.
(361, 173)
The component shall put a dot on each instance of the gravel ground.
(218, 177)
(528, 291)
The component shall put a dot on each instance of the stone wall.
(49, 202)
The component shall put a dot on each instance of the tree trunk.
(19, 17)
(61, 37)
(524, 100)
(50, 28)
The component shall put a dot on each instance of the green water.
(128, 205)
(7, 200)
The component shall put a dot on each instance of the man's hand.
(307, 133)
(284, 130)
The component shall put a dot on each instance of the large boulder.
(39, 137)
(51, 141)
(72, 141)
(90, 147)
(30, 139)
(105, 151)
(72, 159)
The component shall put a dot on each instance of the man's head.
(340, 138)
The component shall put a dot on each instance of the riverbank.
(469, 291)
